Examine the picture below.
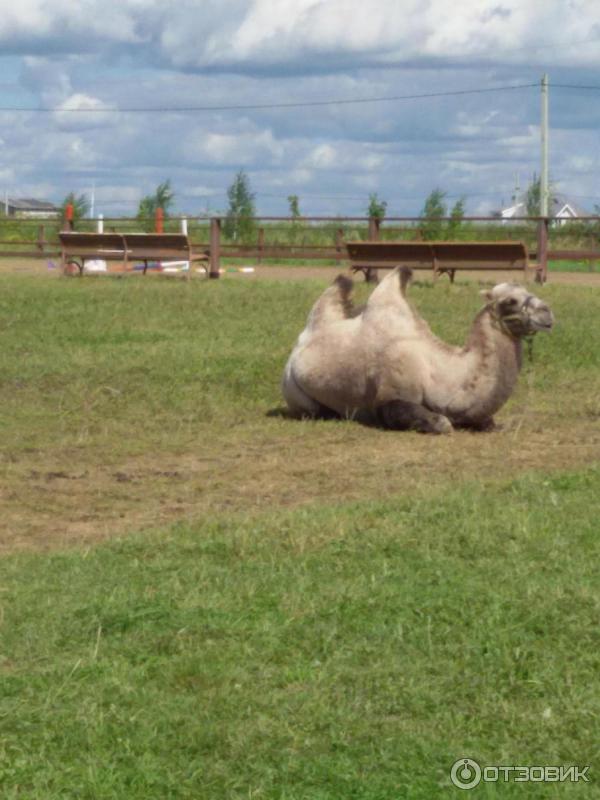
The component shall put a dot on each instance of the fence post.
(41, 242)
(184, 226)
(542, 251)
(261, 244)
(374, 223)
(215, 247)
(100, 223)
(339, 244)
(159, 220)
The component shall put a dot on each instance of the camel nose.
(543, 317)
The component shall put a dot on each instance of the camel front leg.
(402, 415)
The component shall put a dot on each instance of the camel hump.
(345, 287)
(406, 275)
(335, 304)
(391, 292)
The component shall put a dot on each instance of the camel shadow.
(282, 412)
(371, 420)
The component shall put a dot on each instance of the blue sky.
(87, 60)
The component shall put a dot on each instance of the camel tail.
(334, 304)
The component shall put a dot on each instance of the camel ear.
(486, 294)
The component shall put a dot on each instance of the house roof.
(559, 205)
(30, 204)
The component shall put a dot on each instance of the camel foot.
(402, 415)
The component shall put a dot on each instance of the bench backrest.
(134, 245)
(446, 253)
(159, 245)
(91, 243)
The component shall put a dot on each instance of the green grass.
(340, 652)
(572, 266)
(338, 648)
(129, 364)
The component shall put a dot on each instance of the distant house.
(559, 208)
(29, 207)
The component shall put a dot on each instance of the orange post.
(159, 221)
(69, 217)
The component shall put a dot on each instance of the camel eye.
(510, 302)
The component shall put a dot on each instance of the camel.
(383, 363)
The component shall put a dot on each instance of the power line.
(262, 106)
(573, 86)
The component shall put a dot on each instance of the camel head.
(518, 312)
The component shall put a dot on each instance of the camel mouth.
(543, 321)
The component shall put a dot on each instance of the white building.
(559, 208)
(28, 207)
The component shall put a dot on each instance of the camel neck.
(492, 341)
(494, 361)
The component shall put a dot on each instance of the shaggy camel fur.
(383, 361)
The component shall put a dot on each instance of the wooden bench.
(128, 248)
(440, 257)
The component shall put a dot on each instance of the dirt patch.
(51, 267)
(276, 468)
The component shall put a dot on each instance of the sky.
(93, 98)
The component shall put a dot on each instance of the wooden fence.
(285, 239)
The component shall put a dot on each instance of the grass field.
(572, 266)
(202, 598)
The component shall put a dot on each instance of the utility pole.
(544, 135)
(542, 247)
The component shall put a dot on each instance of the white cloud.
(64, 26)
(95, 56)
(237, 148)
(308, 35)
(71, 112)
(323, 156)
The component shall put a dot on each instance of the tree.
(239, 221)
(433, 211)
(163, 197)
(533, 196)
(456, 218)
(376, 207)
(80, 203)
(294, 202)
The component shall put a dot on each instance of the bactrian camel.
(384, 363)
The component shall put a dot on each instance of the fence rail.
(319, 238)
